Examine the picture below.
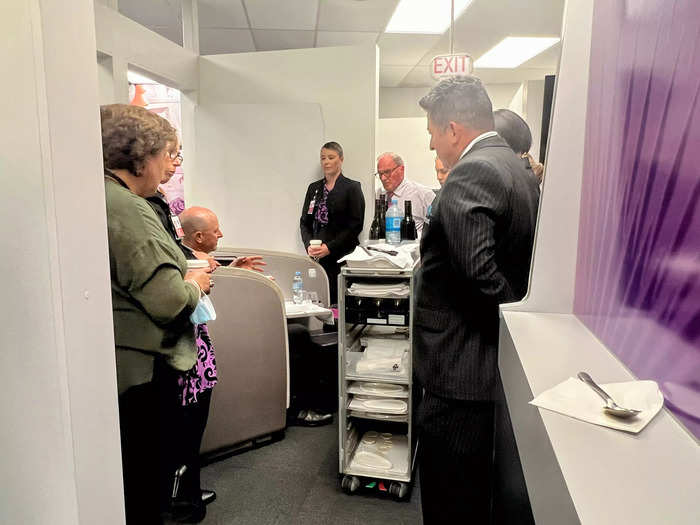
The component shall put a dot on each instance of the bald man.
(202, 234)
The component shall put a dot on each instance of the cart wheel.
(398, 490)
(350, 484)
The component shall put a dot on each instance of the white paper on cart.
(405, 257)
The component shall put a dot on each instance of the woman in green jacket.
(153, 296)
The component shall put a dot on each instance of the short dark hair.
(130, 134)
(335, 147)
(513, 129)
(461, 99)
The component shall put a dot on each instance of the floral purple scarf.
(322, 209)
(202, 376)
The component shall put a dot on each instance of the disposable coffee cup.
(197, 264)
(315, 242)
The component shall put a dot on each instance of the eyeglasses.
(385, 173)
(175, 156)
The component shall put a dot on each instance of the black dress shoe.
(311, 418)
(208, 496)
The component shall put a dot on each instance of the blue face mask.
(204, 311)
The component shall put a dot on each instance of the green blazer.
(151, 303)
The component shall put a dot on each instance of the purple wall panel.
(638, 269)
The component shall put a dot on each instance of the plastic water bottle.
(298, 289)
(393, 222)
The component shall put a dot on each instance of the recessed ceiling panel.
(272, 40)
(222, 14)
(282, 14)
(219, 41)
(344, 38)
(355, 15)
(404, 50)
(152, 13)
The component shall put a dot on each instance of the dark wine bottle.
(382, 216)
(375, 230)
(408, 225)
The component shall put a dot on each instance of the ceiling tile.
(354, 15)
(404, 50)
(172, 33)
(391, 76)
(154, 13)
(267, 40)
(282, 14)
(344, 38)
(222, 14)
(219, 41)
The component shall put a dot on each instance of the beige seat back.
(250, 341)
(282, 266)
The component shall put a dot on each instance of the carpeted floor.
(295, 481)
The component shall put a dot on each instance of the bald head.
(201, 228)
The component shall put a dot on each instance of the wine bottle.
(382, 216)
(375, 231)
(408, 225)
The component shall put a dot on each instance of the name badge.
(311, 207)
(178, 227)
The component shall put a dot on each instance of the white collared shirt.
(421, 198)
(483, 136)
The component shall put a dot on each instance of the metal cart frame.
(349, 342)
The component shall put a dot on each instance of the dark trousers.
(312, 373)
(332, 269)
(456, 460)
(149, 422)
(195, 421)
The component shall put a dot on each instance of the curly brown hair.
(131, 134)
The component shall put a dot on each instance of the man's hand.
(252, 262)
(318, 251)
(213, 264)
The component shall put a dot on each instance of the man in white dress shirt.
(390, 169)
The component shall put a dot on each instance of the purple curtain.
(638, 273)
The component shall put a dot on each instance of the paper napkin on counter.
(574, 398)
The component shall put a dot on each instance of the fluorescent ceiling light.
(423, 16)
(138, 78)
(513, 51)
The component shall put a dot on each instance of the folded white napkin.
(359, 258)
(576, 399)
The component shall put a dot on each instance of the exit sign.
(444, 66)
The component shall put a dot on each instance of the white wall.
(343, 80)
(410, 139)
(59, 437)
(403, 102)
(255, 181)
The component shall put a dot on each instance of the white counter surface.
(579, 472)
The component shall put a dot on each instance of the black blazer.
(346, 213)
(475, 255)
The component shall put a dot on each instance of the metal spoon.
(610, 407)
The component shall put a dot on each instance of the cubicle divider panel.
(250, 340)
(253, 164)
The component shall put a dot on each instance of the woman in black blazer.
(333, 212)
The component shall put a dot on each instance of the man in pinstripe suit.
(475, 254)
